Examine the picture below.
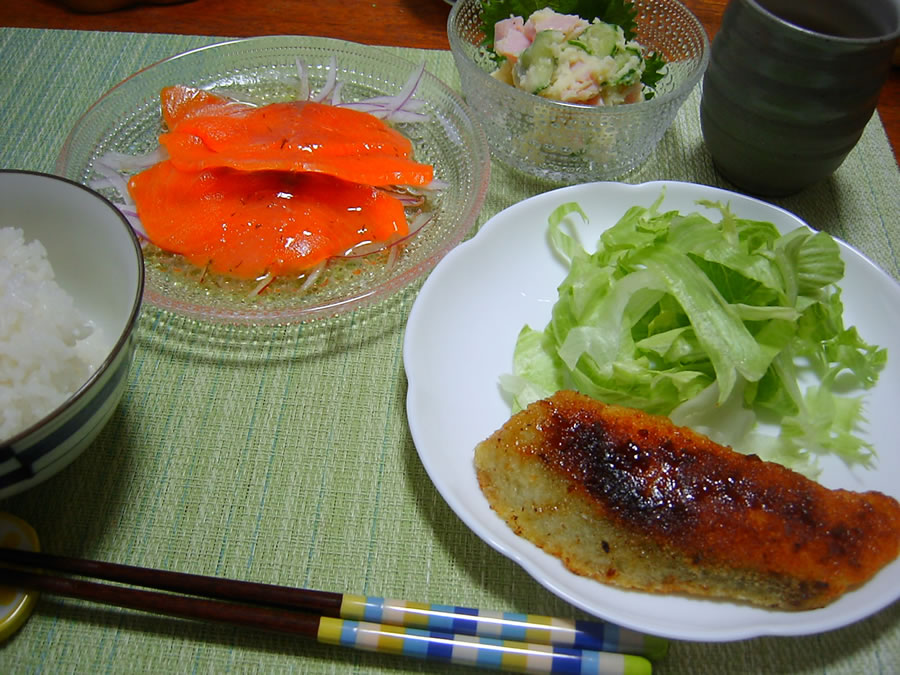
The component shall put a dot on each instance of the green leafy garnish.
(715, 324)
(654, 71)
(619, 12)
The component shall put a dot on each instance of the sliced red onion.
(436, 185)
(312, 276)
(131, 216)
(303, 94)
(408, 199)
(120, 161)
(392, 257)
(400, 108)
(336, 93)
(365, 248)
(369, 247)
(330, 81)
(264, 281)
(111, 179)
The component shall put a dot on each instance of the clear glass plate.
(127, 119)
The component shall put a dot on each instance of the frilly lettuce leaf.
(712, 323)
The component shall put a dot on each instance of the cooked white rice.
(47, 348)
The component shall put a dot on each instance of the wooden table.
(403, 23)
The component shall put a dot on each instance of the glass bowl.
(127, 119)
(574, 143)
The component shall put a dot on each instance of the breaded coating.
(632, 500)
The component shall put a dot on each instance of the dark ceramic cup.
(790, 86)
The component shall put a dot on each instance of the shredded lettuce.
(726, 327)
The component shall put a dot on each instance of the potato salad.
(567, 58)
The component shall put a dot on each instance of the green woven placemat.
(283, 454)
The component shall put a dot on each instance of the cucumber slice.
(601, 38)
(536, 65)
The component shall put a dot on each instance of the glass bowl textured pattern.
(127, 119)
(573, 143)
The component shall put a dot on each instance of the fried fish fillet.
(632, 500)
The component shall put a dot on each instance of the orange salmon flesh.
(274, 190)
(247, 225)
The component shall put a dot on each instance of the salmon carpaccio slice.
(249, 224)
(206, 131)
(180, 102)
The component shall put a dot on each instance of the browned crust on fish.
(632, 500)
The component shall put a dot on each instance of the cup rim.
(841, 39)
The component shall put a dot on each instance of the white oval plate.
(460, 339)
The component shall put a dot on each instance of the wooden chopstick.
(525, 643)
(183, 606)
(271, 595)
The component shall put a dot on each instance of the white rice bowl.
(71, 284)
